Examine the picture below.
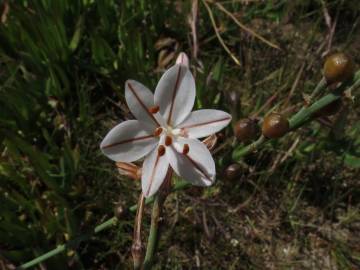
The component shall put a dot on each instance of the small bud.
(275, 125)
(210, 141)
(246, 130)
(233, 171)
(338, 67)
(182, 59)
(129, 169)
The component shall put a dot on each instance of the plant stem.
(304, 115)
(154, 232)
(137, 246)
(156, 213)
(101, 227)
(248, 148)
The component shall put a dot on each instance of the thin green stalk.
(247, 149)
(154, 232)
(43, 257)
(156, 213)
(304, 115)
(101, 227)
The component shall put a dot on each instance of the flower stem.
(154, 232)
(101, 227)
(156, 213)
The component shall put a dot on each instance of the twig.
(244, 27)
(193, 26)
(295, 84)
(281, 158)
(267, 103)
(233, 57)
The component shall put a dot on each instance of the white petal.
(140, 100)
(175, 94)
(128, 141)
(182, 59)
(154, 171)
(203, 123)
(197, 166)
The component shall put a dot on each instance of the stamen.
(161, 150)
(186, 149)
(154, 109)
(168, 140)
(158, 131)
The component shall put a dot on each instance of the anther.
(158, 131)
(154, 109)
(161, 150)
(186, 149)
(168, 140)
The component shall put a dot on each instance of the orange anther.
(168, 140)
(186, 149)
(161, 150)
(154, 109)
(158, 131)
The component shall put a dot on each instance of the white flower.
(166, 132)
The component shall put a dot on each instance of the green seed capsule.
(338, 67)
(275, 125)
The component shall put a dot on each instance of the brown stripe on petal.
(128, 141)
(182, 59)
(176, 87)
(142, 104)
(207, 123)
(153, 171)
(197, 166)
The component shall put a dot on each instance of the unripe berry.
(275, 125)
(246, 129)
(338, 67)
(119, 210)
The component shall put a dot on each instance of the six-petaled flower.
(166, 132)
